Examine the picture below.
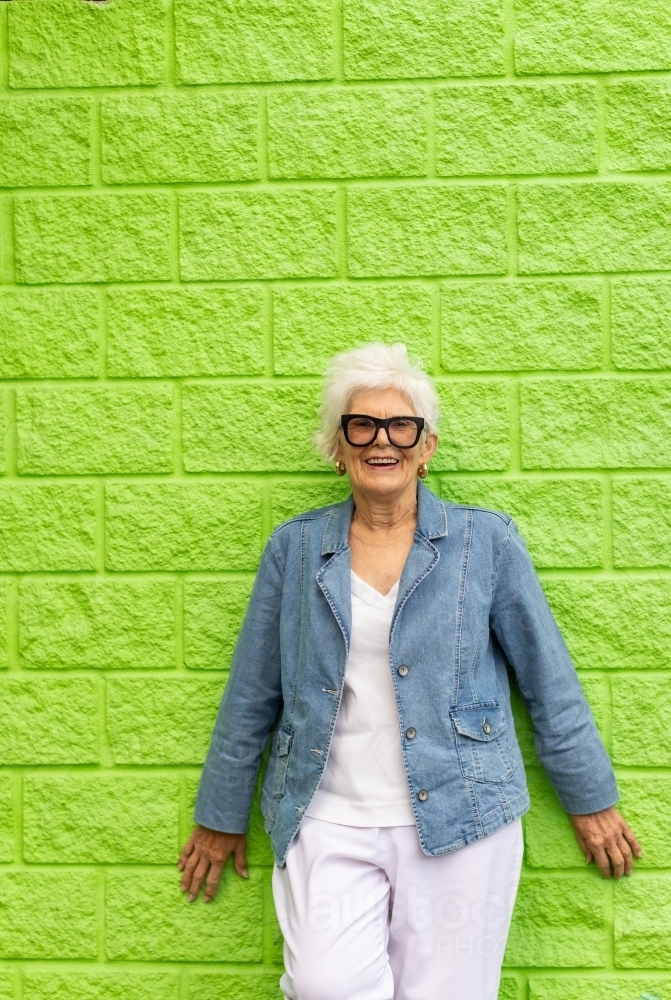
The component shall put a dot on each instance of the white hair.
(375, 366)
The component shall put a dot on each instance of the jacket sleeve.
(567, 740)
(248, 708)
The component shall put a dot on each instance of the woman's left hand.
(606, 838)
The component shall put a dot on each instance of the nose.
(385, 439)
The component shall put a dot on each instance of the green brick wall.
(199, 203)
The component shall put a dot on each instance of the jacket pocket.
(483, 742)
(284, 738)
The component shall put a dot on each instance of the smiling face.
(380, 470)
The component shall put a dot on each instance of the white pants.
(367, 916)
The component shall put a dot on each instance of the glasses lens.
(361, 430)
(403, 432)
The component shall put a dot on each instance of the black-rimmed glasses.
(361, 430)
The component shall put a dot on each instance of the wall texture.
(200, 201)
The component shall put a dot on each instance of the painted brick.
(198, 137)
(47, 527)
(242, 42)
(641, 522)
(213, 613)
(84, 237)
(636, 134)
(148, 919)
(504, 326)
(582, 36)
(509, 989)
(596, 423)
(474, 426)
(293, 497)
(94, 430)
(640, 716)
(613, 624)
(641, 323)
(184, 332)
(6, 613)
(94, 623)
(606, 226)
(422, 38)
(48, 721)
(100, 985)
(44, 141)
(265, 428)
(559, 922)
(312, 323)
(518, 129)
(234, 986)
(190, 526)
(158, 721)
(433, 230)
(643, 799)
(48, 333)
(100, 819)
(560, 519)
(48, 914)
(8, 983)
(348, 133)
(6, 825)
(643, 924)
(603, 988)
(549, 841)
(258, 234)
(54, 44)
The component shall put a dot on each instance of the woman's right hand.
(204, 856)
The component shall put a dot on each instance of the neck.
(386, 513)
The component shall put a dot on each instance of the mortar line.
(266, 510)
(515, 466)
(509, 39)
(339, 42)
(511, 231)
(177, 429)
(100, 528)
(179, 622)
(100, 915)
(4, 47)
(171, 69)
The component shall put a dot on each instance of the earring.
(423, 471)
(340, 468)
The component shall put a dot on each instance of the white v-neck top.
(364, 782)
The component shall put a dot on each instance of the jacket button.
(403, 670)
(486, 728)
(422, 795)
(411, 733)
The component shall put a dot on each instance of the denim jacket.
(469, 602)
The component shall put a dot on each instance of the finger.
(213, 877)
(602, 862)
(186, 851)
(189, 868)
(198, 878)
(616, 859)
(239, 859)
(629, 836)
(625, 851)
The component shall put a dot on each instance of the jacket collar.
(431, 520)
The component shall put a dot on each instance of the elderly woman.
(376, 647)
